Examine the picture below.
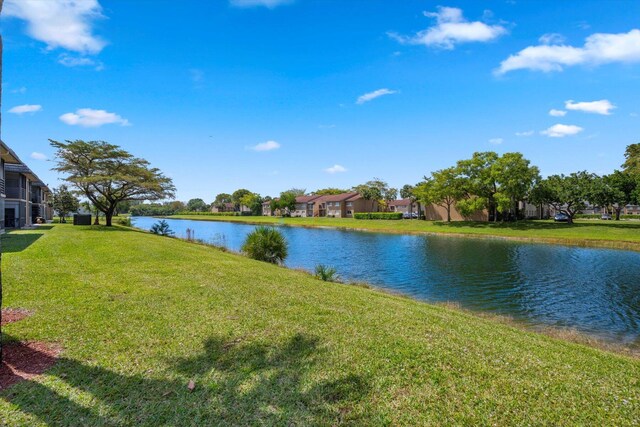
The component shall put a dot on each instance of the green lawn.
(611, 234)
(139, 316)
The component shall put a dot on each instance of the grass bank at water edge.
(139, 316)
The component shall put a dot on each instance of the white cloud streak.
(603, 106)
(496, 141)
(525, 133)
(266, 146)
(26, 108)
(560, 131)
(373, 95)
(451, 29)
(335, 169)
(38, 156)
(270, 4)
(599, 48)
(63, 24)
(557, 113)
(88, 117)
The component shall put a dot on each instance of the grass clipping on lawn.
(142, 317)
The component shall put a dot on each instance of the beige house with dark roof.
(404, 206)
(343, 205)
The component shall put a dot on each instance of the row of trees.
(498, 184)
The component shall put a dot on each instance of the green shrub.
(124, 220)
(161, 228)
(378, 215)
(266, 244)
(598, 216)
(326, 273)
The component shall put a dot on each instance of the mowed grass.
(139, 316)
(611, 234)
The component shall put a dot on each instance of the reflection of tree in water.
(237, 383)
(478, 273)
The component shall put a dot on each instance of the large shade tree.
(107, 174)
(632, 159)
(617, 190)
(444, 188)
(565, 193)
(197, 205)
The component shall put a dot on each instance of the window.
(349, 204)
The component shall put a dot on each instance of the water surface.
(596, 291)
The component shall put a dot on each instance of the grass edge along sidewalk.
(140, 316)
(587, 233)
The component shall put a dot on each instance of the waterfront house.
(305, 206)
(7, 156)
(404, 206)
(343, 205)
(229, 207)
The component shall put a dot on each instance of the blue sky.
(271, 94)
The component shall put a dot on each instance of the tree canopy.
(107, 174)
(565, 193)
(197, 205)
(64, 202)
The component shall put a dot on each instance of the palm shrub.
(326, 273)
(266, 244)
(162, 228)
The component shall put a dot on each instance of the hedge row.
(377, 215)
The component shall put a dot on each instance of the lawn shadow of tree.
(236, 383)
(18, 242)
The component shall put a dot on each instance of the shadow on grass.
(13, 242)
(236, 384)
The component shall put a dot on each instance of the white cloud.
(557, 113)
(38, 156)
(335, 169)
(560, 131)
(26, 108)
(525, 133)
(88, 117)
(599, 48)
(552, 38)
(265, 3)
(266, 146)
(603, 106)
(79, 61)
(451, 29)
(373, 95)
(63, 24)
(19, 90)
(496, 141)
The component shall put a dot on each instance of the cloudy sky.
(273, 94)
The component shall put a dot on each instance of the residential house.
(27, 197)
(343, 205)
(229, 207)
(435, 212)
(7, 156)
(304, 206)
(404, 206)
(266, 208)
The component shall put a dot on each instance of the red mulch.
(10, 315)
(24, 360)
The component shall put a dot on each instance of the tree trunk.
(618, 211)
(97, 220)
(109, 216)
(448, 213)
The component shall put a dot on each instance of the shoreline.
(568, 241)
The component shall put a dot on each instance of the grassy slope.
(624, 235)
(140, 315)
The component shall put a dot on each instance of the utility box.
(82, 219)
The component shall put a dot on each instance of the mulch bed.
(24, 360)
(10, 315)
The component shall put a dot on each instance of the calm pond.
(596, 291)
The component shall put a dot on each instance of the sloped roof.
(339, 197)
(306, 199)
(400, 202)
